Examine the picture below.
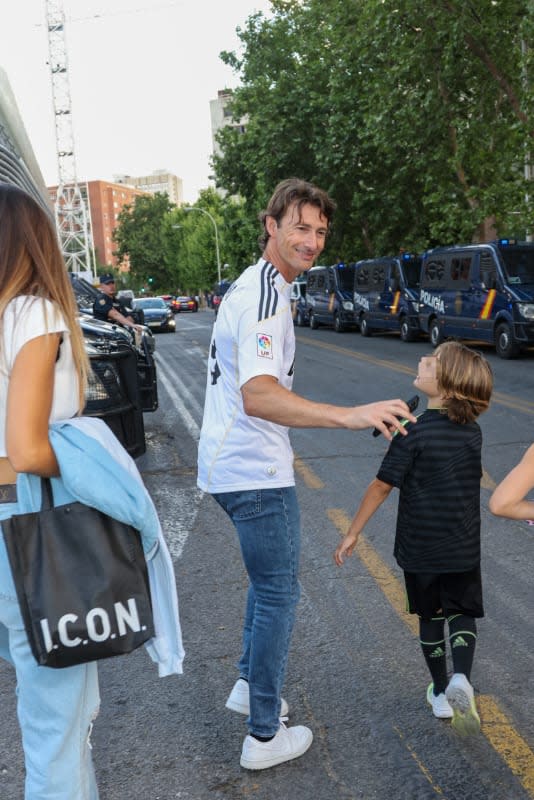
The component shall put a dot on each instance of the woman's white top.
(26, 318)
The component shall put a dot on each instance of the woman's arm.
(508, 499)
(29, 402)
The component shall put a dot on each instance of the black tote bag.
(81, 581)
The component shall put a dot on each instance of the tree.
(417, 118)
(190, 249)
(240, 231)
(140, 239)
(190, 246)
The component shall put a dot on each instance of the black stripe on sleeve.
(269, 293)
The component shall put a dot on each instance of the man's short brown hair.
(295, 190)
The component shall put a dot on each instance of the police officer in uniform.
(108, 308)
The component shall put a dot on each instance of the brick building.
(104, 203)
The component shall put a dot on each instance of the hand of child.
(346, 547)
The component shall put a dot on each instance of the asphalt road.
(355, 674)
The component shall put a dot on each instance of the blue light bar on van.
(504, 242)
(406, 256)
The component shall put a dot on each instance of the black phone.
(412, 404)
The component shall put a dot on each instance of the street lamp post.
(203, 211)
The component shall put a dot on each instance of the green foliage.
(191, 238)
(190, 241)
(416, 117)
(140, 238)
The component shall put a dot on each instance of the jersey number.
(215, 372)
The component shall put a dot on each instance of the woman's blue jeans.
(55, 707)
(268, 526)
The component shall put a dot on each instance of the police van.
(386, 295)
(299, 306)
(329, 298)
(481, 291)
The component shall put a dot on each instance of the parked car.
(185, 303)
(386, 295)
(169, 300)
(143, 343)
(95, 329)
(113, 391)
(299, 306)
(329, 295)
(157, 315)
(480, 291)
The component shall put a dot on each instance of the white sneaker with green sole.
(461, 697)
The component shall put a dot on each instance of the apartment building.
(221, 117)
(158, 181)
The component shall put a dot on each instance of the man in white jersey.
(245, 459)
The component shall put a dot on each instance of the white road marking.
(181, 507)
(190, 423)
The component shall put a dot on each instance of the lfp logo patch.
(264, 345)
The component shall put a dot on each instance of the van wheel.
(435, 333)
(406, 333)
(365, 330)
(313, 322)
(505, 344)
(299, 321)
(338, 325)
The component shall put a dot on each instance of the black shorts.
(431, 594)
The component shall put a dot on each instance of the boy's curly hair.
(466, 381)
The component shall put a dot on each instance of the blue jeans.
(55, 706)
(268, 526)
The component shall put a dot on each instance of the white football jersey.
(252, 335)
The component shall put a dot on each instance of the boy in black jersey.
(437, 469)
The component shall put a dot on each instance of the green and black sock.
(432, 639)
(463, 638)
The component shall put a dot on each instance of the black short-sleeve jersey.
(437, 468)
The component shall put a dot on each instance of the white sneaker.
(440, 705)
(288, 743)
(461, 697)
(239, 700)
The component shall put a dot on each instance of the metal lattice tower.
(72, 219)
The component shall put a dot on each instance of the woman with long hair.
(43, 373)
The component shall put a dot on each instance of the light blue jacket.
(97, 470)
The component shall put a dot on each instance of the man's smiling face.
(297, 241)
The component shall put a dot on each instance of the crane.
(71, 213)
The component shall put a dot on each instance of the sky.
(142, 73)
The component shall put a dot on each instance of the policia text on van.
(482, 291)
